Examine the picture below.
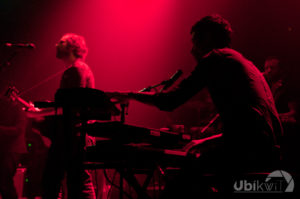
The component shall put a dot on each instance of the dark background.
(137, 43)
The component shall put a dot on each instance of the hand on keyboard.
(118, 97)
(202, 145)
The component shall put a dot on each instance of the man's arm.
(166, 101)
(204, 144)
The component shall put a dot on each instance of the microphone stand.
(210, 123)
(124, 111)
(149, 88)
(124, 107)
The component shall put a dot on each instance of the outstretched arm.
(167, 101)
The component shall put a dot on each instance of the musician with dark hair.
(63, 160)
(282, 89)
(241, 96)
(12, 144)
(287, 103)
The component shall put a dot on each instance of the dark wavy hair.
(215, 25)
(76, 44)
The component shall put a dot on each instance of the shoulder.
(232, 57)
(80, 64)
(227, 53)
(79, 68)
(224, 56)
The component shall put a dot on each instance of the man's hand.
(203, 145)
(124, 97)
(119, 97)
(32, 108)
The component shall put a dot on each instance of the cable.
(111, 182)
(109, 191)
(42, 82)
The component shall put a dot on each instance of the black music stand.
(79, 105)
(92, 102)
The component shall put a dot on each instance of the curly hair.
(76, 44)
(218, 27)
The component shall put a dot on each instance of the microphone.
(20, 45)
(171, 81)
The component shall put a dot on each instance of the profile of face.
(201, 45)
(62, 50)
(272, 68)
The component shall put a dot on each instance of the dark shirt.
(79, 75)
(239, 92)
(65, 154)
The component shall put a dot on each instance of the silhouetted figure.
(63, 161)
(243, 100)
(285, 95)
(12, 144)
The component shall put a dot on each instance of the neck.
(69, 61)
(203, 53)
